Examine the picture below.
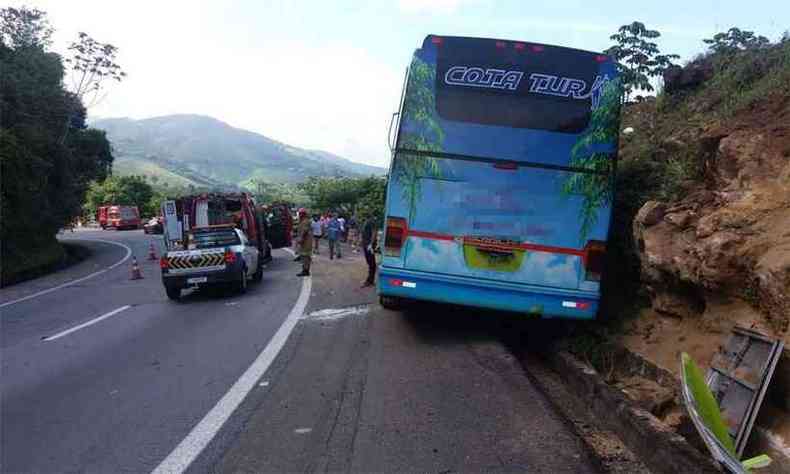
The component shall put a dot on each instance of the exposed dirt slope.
(727, 242)
(713, 238)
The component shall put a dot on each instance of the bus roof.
(432, 40)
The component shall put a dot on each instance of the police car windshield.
(211, 238)
(533, 86)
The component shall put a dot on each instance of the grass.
(40, 261)
(139, 166)
(744, 78)
(34, 263)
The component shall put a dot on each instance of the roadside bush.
(744, 77)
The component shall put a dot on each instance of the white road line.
(293, 254)
(86, 324)
(202, 434)
(78, 280)
(332, 314)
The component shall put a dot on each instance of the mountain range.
(198, 150)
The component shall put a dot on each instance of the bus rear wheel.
(391, 302)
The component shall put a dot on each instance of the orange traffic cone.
(136, 273)
(152, 252)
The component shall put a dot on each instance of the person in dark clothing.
(305, 243)
(368, 243)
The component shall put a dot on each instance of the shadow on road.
(448, 325)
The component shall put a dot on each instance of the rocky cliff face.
(728, 238)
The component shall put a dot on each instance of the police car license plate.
(197, 280)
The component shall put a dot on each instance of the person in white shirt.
(317, 230)
(342, 221)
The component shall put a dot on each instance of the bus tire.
(391, 302)
(173, 292)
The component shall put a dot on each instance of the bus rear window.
(206, 239)
(549, 88)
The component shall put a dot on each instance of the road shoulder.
(102, 255)
(371, 390)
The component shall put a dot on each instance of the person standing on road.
(343, 229)
(334, 231)
(305, 239)
(317, 229)
(353, 233)
(369, 240)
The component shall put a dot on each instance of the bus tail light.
(395, 236)
(594, 256)
(164, 263)
(230, 257)
(506, 165)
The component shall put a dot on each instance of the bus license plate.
(197, 280)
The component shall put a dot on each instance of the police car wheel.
(241, 283)
(173, 292)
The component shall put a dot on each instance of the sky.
(328, 74)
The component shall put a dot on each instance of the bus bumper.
(530, 299)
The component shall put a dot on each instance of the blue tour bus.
(501, 179)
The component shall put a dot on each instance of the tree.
(24, 27)
(44, 173)
(331, 193)
(267, 193)
(122, 190)
(363, 196)
(638, 58)
(373, 194)
(91, 64)
(735, 40)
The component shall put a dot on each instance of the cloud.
(330, 95)
(438, 6)
(314, 96)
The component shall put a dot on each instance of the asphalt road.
(355, 388)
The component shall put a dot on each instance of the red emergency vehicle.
(118, 217)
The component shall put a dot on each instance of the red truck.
(118, 217)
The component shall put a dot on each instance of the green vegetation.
(363, 197)
(735, 40)
(706, 404)
(156, 174)
(666, 156)
(745, 75)
(420, 107)
(209, 153)
(124, 190)
(48, 154)
(639, 59)
(268, 192)
(596, 188)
